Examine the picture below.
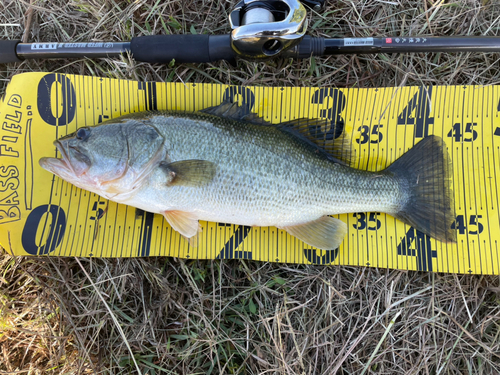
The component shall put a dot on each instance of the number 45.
(468, 135)
(460, 225)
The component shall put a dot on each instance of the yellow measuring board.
(42, 215)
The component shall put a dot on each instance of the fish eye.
(82, 134)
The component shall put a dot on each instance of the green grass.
(164, 315)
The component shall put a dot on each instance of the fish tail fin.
(425, 172)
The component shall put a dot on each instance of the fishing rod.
(261, 30)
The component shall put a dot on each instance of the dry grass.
(163, 315)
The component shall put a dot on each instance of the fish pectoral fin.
(186, 223)
(326, 233)
(193, 173)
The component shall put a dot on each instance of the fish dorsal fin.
(234, 111)
(319, 133)
(326, 233)
(193, 173)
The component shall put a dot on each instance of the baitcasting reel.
(265, 29)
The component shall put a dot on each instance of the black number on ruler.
(374, 136)
(475, 227)
(150, 95)
(333, 112)
(467, 135)
(418, 244)
(228, 251)
(233, 94)
(373, 221)
(328, 256)
(65, 99)
(419, 105)
(146, 232)
(54, 223)
(99, 211)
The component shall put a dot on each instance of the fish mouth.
(56, 165)
(63, 166)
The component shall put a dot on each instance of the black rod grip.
(182, 48)
(8, 51)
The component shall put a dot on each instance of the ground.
(165, 315)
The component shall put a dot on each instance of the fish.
(224, 164)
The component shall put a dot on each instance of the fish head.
(108, 159)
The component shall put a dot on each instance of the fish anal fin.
(194, 241)
(326, 233)
(186, 223)
(194, 173)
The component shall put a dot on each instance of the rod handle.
(8, 51)
(182, 48)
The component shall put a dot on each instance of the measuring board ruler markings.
(41, 214)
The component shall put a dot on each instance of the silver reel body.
(265, 29)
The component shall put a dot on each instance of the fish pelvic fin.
(325, 233)
(425, 173)
(186, 223)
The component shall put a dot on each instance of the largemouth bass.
(225, 165)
